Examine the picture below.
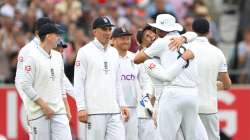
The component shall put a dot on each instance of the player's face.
(160, 33)
(52, 39)
(103, 34)
(122, 42)
(148, 37)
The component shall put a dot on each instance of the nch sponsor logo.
(127, 77)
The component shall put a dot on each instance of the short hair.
(200, 26)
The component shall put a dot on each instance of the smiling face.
(148, 37)
(103, 34)
(122, 43)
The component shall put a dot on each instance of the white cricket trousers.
(178, 109)
(55, 128)
(211, 123)
(105, 127)
(147, 130)
(201, 133)
(131, 127)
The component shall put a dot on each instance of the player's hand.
(83, 116)
(176, 42)
(48, 112)
(125, 113)
(69, 116)
(220, 85)
(187, 55)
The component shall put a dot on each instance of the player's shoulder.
(216, 49)
(27, 48)
(113, 51)
(87, 47)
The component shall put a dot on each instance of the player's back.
(188, 78)
(210, 60)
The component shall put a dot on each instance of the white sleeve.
(29, 70)
(190, 36)
(19, 74)
(166, 75)
(156, 48)
(79, 80)
(145, 81)
(68, 87)
(119, 91)
(223, 64)
(63, 91)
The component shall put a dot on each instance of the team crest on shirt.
(89, 125)
(77, 64)
(151, 66)
(27, 68)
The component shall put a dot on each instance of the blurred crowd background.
(229, 22)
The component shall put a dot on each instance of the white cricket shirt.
(188, 78)
(96, 79)
(211, 61)
(43, 77)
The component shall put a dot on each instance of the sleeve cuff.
(34, 98)
(81, 106)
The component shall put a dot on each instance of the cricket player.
(146, 128)
(42, 82)
(146, 36)
(134, 81)
(212, 66)
(100, 100)
(178, 105)
(28, 48)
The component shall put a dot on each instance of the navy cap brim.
(122, 34)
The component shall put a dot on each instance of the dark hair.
(140, 33)
(200, 26)
(41, 21)
(139, 36)
(42, 38)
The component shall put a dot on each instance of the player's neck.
(46, 47)
(122, 53)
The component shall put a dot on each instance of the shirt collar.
(202, 39)
(44, 52)
(37, 41)
(99, 45)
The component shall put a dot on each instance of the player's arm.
(120, 96)
(29, 70)
(223, 75)
(167, 75)
(64, 91)
(145, 82)
(68, 87)
(155, 49)
(79, 86)
(140, 57)
(19, 74)
(176, 42)
(225, 79)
